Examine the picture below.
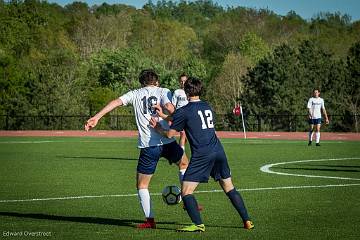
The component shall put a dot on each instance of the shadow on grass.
(131, 223)
(93, 220)
(100, 158)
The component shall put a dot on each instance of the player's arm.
(326, 116)
(169, 107)
(309, 109)
(166, 133)
(310, 113)
(92, 122)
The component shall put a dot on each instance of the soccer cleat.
(249, 225)
(149, 223)
(318, 144)
(309, 144)
(192, 228)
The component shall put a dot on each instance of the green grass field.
(103, 169)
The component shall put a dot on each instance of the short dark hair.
(193, 87)
(183, 75)
(148, 76)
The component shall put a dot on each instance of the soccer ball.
(171, 195)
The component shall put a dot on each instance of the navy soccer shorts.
(214, 164)
(150, 156)
(315, 121)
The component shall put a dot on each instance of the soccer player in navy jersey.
(207, 154)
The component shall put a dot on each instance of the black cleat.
(310, 142)
(318, 144)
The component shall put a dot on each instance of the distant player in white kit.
(152, 145)
(315, 105)
(179, 100)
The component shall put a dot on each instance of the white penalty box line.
(158, 194)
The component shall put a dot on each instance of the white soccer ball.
(171, 195)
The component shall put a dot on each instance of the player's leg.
(183, 164)
(191, 207)
(221, 172)
(317, 134)
(146, 167)
(311, 132)
(143, 181)
(237, 201)
(175, 154)
(182, 140)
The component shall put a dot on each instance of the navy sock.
(191, 206)
(238, 204)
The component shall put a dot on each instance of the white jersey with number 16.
(143, 100)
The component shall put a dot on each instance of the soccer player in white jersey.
(179, 100)
(152, 144)
(315, 105)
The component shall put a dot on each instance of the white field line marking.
(62, 141)
(270, 141)
(266, 168)
(158, 194)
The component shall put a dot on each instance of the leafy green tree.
(167, 42)
(316, 63)
(253, 47)
(119, 69)
(275, 84)
(227, 88)
(351, 87)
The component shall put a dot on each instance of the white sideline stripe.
(272, 141)
(266, 168)
(61, 141)
(158, 194)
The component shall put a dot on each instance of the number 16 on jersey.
(209, 119)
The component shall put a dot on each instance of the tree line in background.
(72, 60)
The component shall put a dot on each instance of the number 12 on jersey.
(209, 119)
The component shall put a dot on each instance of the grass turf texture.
(61, 167)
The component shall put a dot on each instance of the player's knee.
(183, 165)
(187, 188)
(184, 162)
(143, 182)
(226, 184)
(185, 192)
(140, 185)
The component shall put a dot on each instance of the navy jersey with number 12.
(197, 119)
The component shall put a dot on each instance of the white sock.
(317, 135)
(311, 133)
(145, 202)
(181, 175)
(183, 147)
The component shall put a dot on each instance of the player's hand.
(153, 122)
(91, 123)
(159, 110)
(327, 121)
